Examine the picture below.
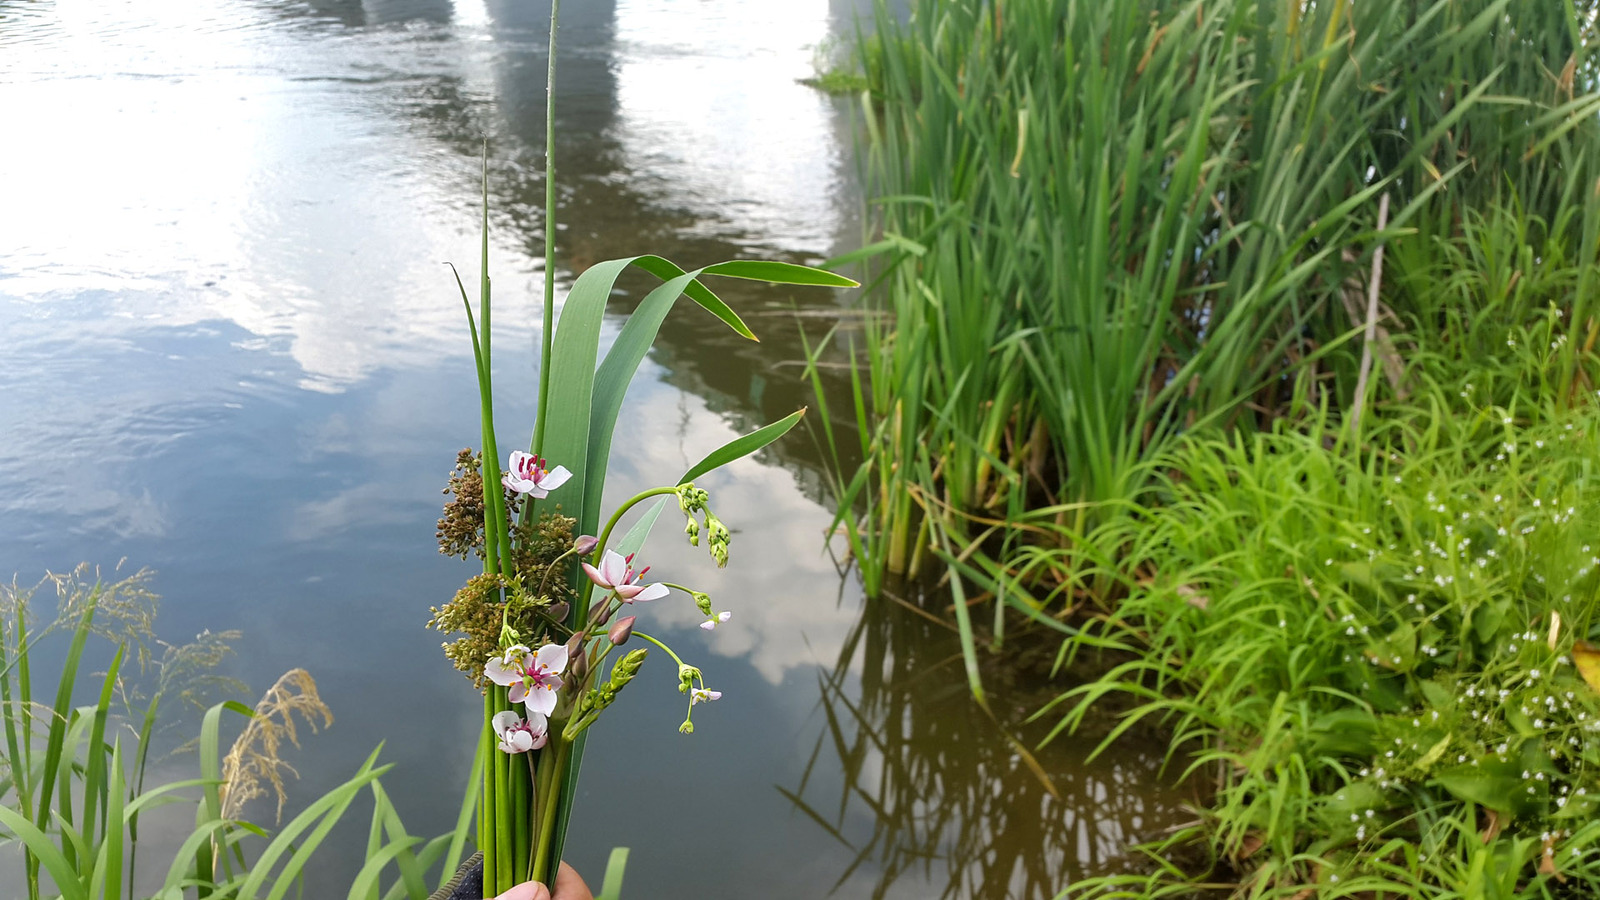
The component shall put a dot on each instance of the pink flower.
(526, 474)
(517, 735)
(533, 678)
(616, 574)
(701, 695)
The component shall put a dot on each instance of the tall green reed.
(1105, 224)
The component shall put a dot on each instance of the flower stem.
(640, 634)
(558, 748)
(640, 497)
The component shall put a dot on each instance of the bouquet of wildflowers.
(541, 633)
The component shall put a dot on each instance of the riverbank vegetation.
(72, 784)
(1252, 345)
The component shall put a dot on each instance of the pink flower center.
(531, 468)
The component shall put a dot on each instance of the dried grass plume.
(255, 760)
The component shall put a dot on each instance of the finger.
(569, 884)
(528, 890)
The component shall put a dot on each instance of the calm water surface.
(231, 354)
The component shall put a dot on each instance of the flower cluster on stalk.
(515, 623)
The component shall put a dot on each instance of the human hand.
(569, 886)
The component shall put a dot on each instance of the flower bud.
(702, 601)
(621, 631)
(558, 610)
(585, 544)
(575, 645)
(580, 666)
(601, 613)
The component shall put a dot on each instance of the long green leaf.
(779, 273)
(611, 382)
(616, 868)
(63, 873)
(742, 446)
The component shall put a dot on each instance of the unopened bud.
(558, 610)
(580, 666)
(621, 631)
(575, 644)
(702, 601)
(601, 613)
(585, 544)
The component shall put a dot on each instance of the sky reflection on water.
(233, 355)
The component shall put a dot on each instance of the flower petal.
(652, 592)
(709, 624)
(596, 576)
(517, 692)
(541, 700)
(552, 658)
(614, 568)
(503, 720)
(498, 672)
(554, 478)
(628, 591)
(521, 740)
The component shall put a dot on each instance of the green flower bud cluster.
(703, 601)
(686, 678)
(596, 699)
(693, 501)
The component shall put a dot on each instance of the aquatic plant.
(1101, 225)
(535, 626)
(1381, 661)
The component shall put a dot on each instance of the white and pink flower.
(615, 573)
(711, 623)
(518, 735)
(528, 474)
(533, 678)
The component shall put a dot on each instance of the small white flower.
(526, 474)
(711, 623)
(701, 695)
(517, 735)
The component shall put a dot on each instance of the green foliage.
(1105, 223)
(72, 792)
(1368, 651)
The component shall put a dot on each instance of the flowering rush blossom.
(711, 623)
(527, 474)
(532, 677)
(518, 735)
(616, 574)
(701, 695)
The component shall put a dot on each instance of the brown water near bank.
(233, 355)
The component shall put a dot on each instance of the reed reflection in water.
(934, 792)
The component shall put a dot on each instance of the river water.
(232, 355)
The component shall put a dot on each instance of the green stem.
(549, 234)
(640, 497)
(547, 815)
(640, 634)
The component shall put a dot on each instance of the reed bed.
(1250, 346)
(1102, 225)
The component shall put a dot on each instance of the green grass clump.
(837, 81)
(1372, 654)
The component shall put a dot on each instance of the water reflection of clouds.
(777, 558)
(722, 127)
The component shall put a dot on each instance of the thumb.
(528, 890)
